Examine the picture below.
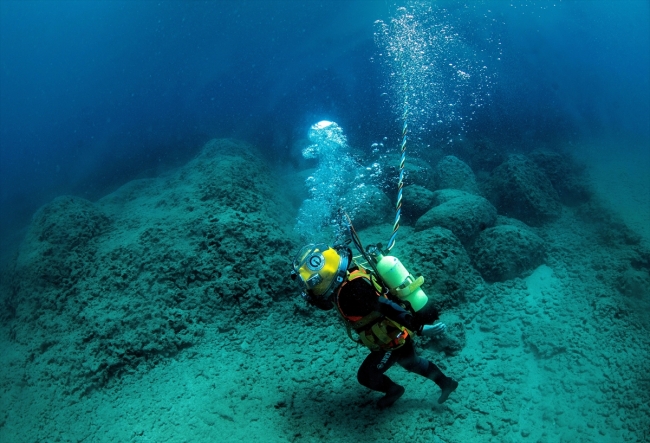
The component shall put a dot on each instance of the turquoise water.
(158, 174)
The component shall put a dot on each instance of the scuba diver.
(382, 303)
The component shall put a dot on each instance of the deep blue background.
(95, 93)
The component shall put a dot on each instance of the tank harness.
(375, 330)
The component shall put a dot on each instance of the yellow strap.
(379, 330)
(357, 273)
(366, 337)
(366, 320)
(377, 338)
(378, 287)
(405, 292)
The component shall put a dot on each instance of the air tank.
(399, 280)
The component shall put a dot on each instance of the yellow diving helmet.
(321, 268)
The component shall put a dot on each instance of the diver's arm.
(398, 314)
(428, 315)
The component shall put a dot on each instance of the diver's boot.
(446, 384)
(393, 393)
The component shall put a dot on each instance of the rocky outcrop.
(61, 240)
(417, 172)
(452, 173)
(103, 288)
(520, 189)
(439, 256)
(462, 213)
(567, 178)
(507, 251)
(415, 202)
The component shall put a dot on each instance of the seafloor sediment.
(164, 313)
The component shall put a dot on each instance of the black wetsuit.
(359, 298)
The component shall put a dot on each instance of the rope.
(400, 185)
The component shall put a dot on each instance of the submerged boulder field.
(164, 312)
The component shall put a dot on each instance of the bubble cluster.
(433, 76)
(434, 79)
(338, 183)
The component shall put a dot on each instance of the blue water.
(96, 93)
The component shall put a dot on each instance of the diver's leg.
(409, 360)
(371, 375)
(447, 384)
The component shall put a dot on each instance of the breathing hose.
(400, 186)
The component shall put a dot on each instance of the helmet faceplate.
(320, 268)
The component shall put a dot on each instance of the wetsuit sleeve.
(398, 314)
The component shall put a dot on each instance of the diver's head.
(321, 269)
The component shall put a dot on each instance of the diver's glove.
(434, 330)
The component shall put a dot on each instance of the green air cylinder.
(400, 282)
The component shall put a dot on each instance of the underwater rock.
(545, 339)
(452, 173)
(520, 189)
(453, 341)
(506, 251)
(610, 229)
(503, 220)
(416, 200)
(368, 206)
(566, 177)
(437, 254)
(482, 155)
(68, 222)
(463, 213)
(634, 283)
(200, 245)
(418, 172)
(60, 241)
(486, 155)
(295, 184)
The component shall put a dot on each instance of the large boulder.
(485, 155)
(503, 220)
(462, 213)
(452, 173)
(416, 172)
(437, 254)
(481, 154)
(634, 283)
(520, 189)
(416, 200)
(567, 178)
(507, 251)
(368, 206)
